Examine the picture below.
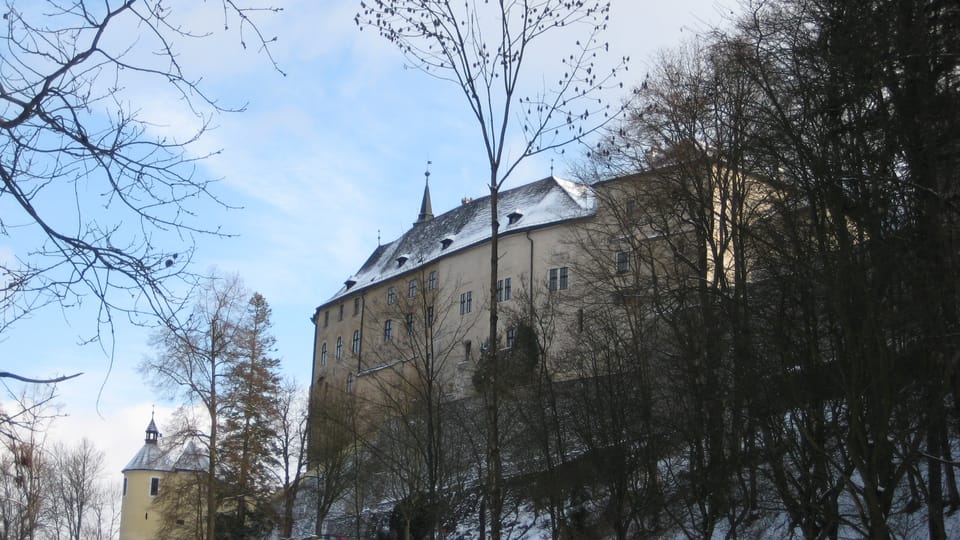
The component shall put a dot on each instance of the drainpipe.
(532, 288)
(363, 312)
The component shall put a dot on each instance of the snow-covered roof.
(150, 458)
(542, 203)
(153, 457)
(191, 459)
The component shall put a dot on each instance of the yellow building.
(142, 479)
(436, 278)
(152, 470)
(426, 293)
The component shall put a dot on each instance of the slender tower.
(426, 209)
(142, 480)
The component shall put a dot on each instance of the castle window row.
(338, 351)
(340, 312)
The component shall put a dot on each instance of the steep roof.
(191, 459)
(538, 204)
(150, 458)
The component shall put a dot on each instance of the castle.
(427, 293)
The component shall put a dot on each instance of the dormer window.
(445, 243)
(402, 259)
(514, 217)
(351, 281)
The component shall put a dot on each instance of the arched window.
(339, 347)
(323, 354)
(356, 342)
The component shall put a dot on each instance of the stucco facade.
(152, 471)
(430, 288)
(143, 477)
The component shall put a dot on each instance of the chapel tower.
(142, 479)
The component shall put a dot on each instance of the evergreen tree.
(252, 395)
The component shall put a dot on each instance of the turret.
(152, 433)
(426, 209)
(142, 478)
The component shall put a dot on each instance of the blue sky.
(322, 161)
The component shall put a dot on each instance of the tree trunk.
(494, 482)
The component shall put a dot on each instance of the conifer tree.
(249, 430)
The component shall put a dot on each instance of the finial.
(378, 237)
(551, 166)
(427, 172)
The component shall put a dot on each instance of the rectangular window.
(391, 296)
(340, 314)
(154, 486)
(323, 354)
(356, 342)
(503, 290)
(511, 337)
(350, 383)
(559, 278)
(409, 324)
(388, 330)
(466, 301)
(124, 486)
(432, 280)
(326, 318)
(412, 288)
(356, 306)
(623, 262)
(339, 347)
(429, 315)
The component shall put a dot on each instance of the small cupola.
(152, 432)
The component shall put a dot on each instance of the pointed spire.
(426, 209)
(152, 432)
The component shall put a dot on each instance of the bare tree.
(487, 50)
(70, 130)
(855, 108)
(193, 361)
(77, 493)
(23, 463)
(291, 431)
(333, 450)
(414, 376)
